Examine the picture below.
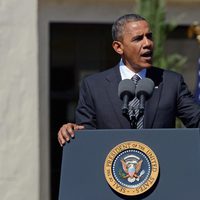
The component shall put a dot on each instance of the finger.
(69, 130)
(61, 142)
(78, 127)
(64, 133)
(61, 139)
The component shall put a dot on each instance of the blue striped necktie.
(136, 119)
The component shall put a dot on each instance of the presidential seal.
(131, 168)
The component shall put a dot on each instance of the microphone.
(144, 91)
(126, 92)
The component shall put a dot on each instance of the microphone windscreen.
(126, 86)
(145, 86)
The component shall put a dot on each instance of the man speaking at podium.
(133, 94)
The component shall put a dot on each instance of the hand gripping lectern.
(177, 152)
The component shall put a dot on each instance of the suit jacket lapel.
(113, 80)
(151, 105)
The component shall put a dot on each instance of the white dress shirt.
(126, 73)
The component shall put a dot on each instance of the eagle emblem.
(131, 166)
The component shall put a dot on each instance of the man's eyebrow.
(141, 35)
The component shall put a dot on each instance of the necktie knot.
(135, 79)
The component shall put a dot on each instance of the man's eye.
(150, 36)
(138, 38)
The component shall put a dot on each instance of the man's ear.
(118, 47)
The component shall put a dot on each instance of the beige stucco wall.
(108, 10)
(19, 130)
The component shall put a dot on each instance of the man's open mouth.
(147, 54)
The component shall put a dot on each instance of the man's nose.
(147, 42)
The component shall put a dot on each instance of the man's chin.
(146, 63)
(146, 66)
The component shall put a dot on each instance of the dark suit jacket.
(100, 107)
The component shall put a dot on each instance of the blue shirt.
(126, 73)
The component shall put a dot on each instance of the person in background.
(99, 106)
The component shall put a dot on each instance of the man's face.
(136, 45)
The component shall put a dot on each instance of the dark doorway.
(76, 50)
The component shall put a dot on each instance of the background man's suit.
(100, 107)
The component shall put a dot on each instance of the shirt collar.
(126, 73)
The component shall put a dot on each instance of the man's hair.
(118, 26)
